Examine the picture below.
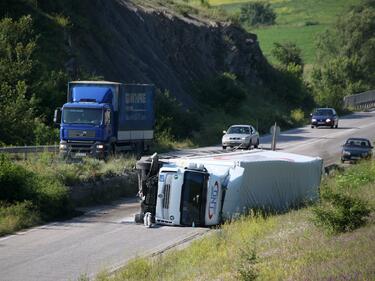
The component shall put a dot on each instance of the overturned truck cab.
(204, 191)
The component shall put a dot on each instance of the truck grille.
(81, 133)
(167, 190)
(81, 147)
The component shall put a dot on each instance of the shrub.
(339, 212)
(297, 116)
(47, 194)
(17, 216)
(224, 91)
(257, 13)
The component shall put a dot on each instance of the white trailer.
(202, 191)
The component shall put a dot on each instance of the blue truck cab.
(101, 118)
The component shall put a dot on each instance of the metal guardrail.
(29, 149)
(360, 101)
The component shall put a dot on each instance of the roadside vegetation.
(330, 240)
(35, 190)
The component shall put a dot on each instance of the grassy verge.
(283, 247)
(35, 190)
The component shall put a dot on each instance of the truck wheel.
(138, 218)
(224, 147)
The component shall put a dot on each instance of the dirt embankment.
(130, 43)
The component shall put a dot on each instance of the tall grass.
(33, 191)
(280, 247)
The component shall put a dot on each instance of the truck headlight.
(62, 146)
(328, 120)
(313, 120)
(346, 153)
(100, 146)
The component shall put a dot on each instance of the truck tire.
(224, 147)
(138, 218)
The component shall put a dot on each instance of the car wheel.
(312, 127)
(342, 160)
(257, 144)
(337, 126)
(224, 147)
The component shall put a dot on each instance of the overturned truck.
(204, 191)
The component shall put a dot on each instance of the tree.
(257, 13)
(287, 53)
(345, 56)
(17, 44)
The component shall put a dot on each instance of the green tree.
(257, 13)
(345, 56)
(287, 53)
(17, 45)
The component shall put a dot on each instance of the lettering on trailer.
(136, 106)
(213, 200)
(135, 98)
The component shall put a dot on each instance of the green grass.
(34, 190)
(298, 21)
(280, 247)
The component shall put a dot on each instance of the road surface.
(106, 237)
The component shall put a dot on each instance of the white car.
(240, 136)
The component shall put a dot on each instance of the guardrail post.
(25, 153)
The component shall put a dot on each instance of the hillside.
(214, 69)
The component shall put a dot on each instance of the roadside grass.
(281, 247)
(86, 170)
(34, 191)
(298, 21)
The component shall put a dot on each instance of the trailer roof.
(94, 82)
(257, 155)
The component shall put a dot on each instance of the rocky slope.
(133, 43)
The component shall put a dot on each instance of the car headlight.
(313, 120)
(346, 152)
(63, 146)
(328, 120)
(100, 146)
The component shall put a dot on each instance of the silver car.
(240, 136)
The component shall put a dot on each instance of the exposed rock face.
(144, 45)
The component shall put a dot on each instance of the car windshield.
(82, 116)
(323, 112)
(357, 142)
(239, 130)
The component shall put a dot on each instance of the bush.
(17, 216)
(257, 13)
(222, 92)
(47, 194)
(339, 212)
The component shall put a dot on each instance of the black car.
(356, 149)
(324, 117)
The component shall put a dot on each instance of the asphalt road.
(106, 237)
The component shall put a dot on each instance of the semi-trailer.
(204, 191)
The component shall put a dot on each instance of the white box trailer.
(203, 191)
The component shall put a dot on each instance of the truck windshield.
(193, 199)
(82, 116)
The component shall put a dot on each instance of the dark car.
(324, 117)
(356, 149)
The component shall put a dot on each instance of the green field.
(298, 21)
